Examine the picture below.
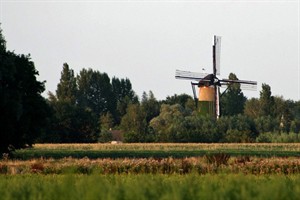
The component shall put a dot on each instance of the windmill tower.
(208, 101)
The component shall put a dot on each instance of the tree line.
(90, 105)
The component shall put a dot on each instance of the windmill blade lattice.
(187, 75)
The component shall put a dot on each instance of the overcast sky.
(146, 41)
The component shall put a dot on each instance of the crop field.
(156, 150)
(152, 171)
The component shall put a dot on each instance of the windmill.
(209, 84)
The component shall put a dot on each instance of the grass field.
(152, 171)
(155, 150)
(129, 187)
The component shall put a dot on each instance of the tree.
(2, 42)
(122, 88)
(106, 121)
(178, 124)
(168, 125)
(233, 100)
(240, 129)
(134, 124)
(150, 105)
(67, 88)
(266, 124)
(181, 99)
(95, 92)
(124, 95)
(266, 101)
(23, 110)
(71, 122)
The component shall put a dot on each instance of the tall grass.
(110, 187)
(213, 164)
(169, 146)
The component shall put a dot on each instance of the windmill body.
(209, 84)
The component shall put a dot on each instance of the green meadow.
(151, 171)
(141, 186)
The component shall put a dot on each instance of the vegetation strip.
(213, 163)
(149, 186)
(25, 155)
(94, 151)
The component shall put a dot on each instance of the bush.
(105, 136)
(286, 138)
(264, 138)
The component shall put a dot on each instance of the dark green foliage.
(264, 137)
(23, 109)
(232, 102)
(168, 125)
(295, 126)
(71, 122)
(134, 124)
(106, 121)
(81, 101)
(67, 88)
(150, 106)
(2, 42)
(278, 138)
(181, 99)
(122, 90)
(266, 101)
(252, 108)
(105, 136)
(178, 124)
(240, 129)
(95, 92)
(266, 124)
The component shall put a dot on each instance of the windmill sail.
(248, 87)
(217, 49)
(243, 86)
(196, 76)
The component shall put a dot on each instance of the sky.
(146, 41)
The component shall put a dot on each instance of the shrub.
(264, 138)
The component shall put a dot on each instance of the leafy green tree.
(240, 129)
(106, 125)
(122, 88)
(283, 111)
(233, 100)
(181, 99)
(266, 101)
(95, 92)
(134, 124)
(71, 122)
(105, 136)
(178, 124)
(150, 105)
(168, 125)
(106, 121)
(252, 108)
(67, 88)
(23, 110)
(266, 124)
(295, 126)
(295, 109)
(124, 94)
